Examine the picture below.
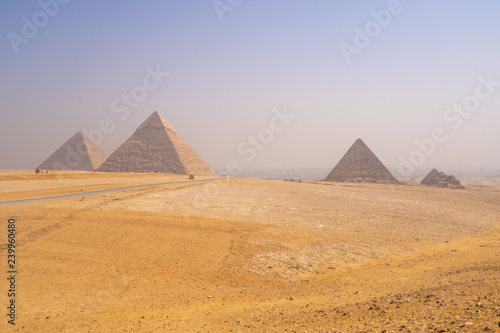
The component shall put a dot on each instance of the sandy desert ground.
(251, 255)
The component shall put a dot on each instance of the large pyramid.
(360, 164)
(156, 147)
(78, 153)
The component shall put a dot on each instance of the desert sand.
(251, 255)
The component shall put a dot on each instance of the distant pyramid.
(431, 176)
(156, 147)
(360, 164)
(78, 153)
(440, 179)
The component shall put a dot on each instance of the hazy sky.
(389, 72)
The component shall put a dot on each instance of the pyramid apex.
(82, 135)
(156, 120)
(359, 141)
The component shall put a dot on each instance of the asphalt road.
(81, 194)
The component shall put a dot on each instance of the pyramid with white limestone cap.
(78, 153)
(156, 147)
(360, 164)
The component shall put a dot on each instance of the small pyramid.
(360, 164)
(440, 179)
(434, 174)
(78, 153)
(156, 147)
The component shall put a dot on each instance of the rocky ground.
(249, 255)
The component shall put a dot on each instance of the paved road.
(81, 194)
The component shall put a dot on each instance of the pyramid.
(156, 147)
(440, 179)
(431, 176)
(360, 164)
(78, 153)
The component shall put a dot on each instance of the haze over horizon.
(419, 82)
